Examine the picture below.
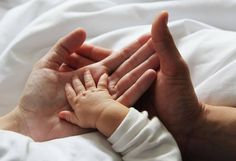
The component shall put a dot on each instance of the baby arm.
(93, 106)
(130, 132)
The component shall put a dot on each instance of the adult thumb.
(171, 62)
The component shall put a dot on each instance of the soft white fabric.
(137, 138)
(204, 32)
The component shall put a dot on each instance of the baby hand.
(88, 101)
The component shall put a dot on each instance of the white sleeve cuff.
(138, 138)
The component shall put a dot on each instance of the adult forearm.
(214, 139)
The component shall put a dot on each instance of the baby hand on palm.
(88, 101)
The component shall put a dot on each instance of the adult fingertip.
(151, 71)
(152, 74)
(81, 33)
(81, 36)
(75, 39)
(165, 16)
(159, 26)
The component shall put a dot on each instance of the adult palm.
(44, 97)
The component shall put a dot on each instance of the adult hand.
(203, 132)
(44, 96)
(173, 96)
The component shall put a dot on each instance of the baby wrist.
(111, 117)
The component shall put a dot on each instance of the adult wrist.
(14, 121)
(214, 137)
(197, 138)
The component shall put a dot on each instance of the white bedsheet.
(204, 31)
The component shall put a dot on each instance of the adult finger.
(130, 78)
(63, 48)
(138, 89)
(65, 68)
(76, 61)
(138, 58)
(93, 53)
(171, 61)
(116, 59)
(86, 55)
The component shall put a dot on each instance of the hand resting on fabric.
(44, 96)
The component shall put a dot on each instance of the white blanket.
(204, 31)
(136, 138)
